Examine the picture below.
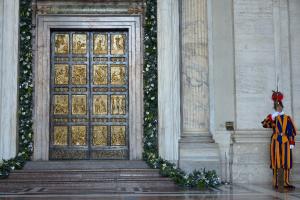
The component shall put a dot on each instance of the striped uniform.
(284, 132)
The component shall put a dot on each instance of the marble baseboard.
(251, 158)
(251, 173)
(197, 155)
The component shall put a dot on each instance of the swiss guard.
(282, 141)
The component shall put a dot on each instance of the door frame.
(41, 74)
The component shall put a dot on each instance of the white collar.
(275, 114)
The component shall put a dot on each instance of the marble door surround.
(44, 25)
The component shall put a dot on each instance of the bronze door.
(89, 95)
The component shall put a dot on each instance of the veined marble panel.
(294, 13)
(250, 157)
(261, 52)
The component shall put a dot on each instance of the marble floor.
(225, 192)
(121, 180)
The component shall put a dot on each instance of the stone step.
(85, 165)
(115, 173)
(80, 179)
(79, 175)
(86, 174)
(158, 182)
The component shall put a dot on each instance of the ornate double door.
(89, 95)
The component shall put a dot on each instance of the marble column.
(197, 148)
(9, 37)
(168, 79)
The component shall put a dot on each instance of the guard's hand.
(292, 146)
(281, 134)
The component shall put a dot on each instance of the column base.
(199, 152)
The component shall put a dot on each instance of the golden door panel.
(100, 74)
(118, 104)
(118, 74)
(61, 74)
(100, 44)
(60, 135)
(100, 104)
(118, 44)
(78, 135)
(118, 135)
(79, 105)
(79, 74)
(100, 136)
(61, 43)
(89, 95)
(61, 104)
(79, 43)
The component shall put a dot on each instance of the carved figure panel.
(61, 104)
(118, 104)
(79, 105)
(118, 74)
(118, 135)
(100, 104)
(79, 43)
(61, 74)
(78, 135)
(100, 74)
(61, 43)
(79, 74)
(60, 135)
(100, 135)
(100, 44)
(118, 44)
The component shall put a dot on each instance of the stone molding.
(119, 7)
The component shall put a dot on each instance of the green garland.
(25, 93)
(201, 179)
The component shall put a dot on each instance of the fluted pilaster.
(196, 148)
(195, 93)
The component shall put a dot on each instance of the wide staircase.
(87, 177)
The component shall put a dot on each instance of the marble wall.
(262, 50)
(294, 27)
(294, 14)
(254, 61)
(9, 40)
